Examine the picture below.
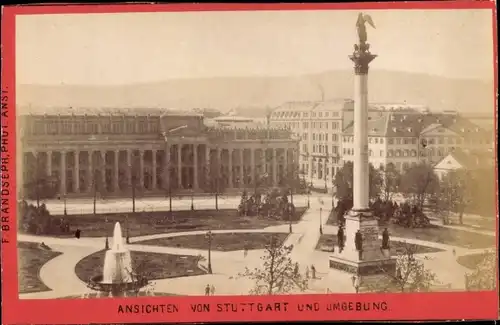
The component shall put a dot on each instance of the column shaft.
(90, 171)
(360, 185)
(179, 166)
(129, 168)
(141, 169)
(49, 163)
(252, 165)
(153, 181)
(62, 185)
(102, 166)
(116, 170)
(230, 167)
(166, 167)
(275, 167)
(195, 167)
(76, 178)
(242, 169)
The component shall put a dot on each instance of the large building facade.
(400, 134)
(115, 152)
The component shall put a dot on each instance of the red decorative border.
(431, 306)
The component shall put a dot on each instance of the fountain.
(117, 278)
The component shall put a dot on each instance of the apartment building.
(319, 128)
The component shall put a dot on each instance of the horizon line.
(250, 76)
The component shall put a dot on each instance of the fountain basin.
(117, 289)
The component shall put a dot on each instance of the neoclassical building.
(151, 152)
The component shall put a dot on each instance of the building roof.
(473, 159)
(112, 111)
(377, 126)
(402, 124)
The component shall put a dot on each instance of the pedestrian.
(454, 252)
(313, 270)
(78, 233)
(207, 290)
(212, 290)
(296, 268)
(307, 272)
(245, 252)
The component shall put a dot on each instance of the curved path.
(58, 274)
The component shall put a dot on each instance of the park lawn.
(148, 223)
(443, 235)
(31, 258)
(155, 266)
(220, 242)
(471, 261)
(397, 247)
(436, 234)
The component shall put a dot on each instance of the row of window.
(440, 152)
(92, 127)
(413, 140)
(370, 139)
(321, 137)
(304, 114)
(317, 148)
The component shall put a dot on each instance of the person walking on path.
(212, 290)
(307, 272)
(207, 290)
(313, 270)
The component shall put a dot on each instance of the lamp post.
(106, 243)
(355, 283)
(209, 237)
(192, 198)
(290, 218)
(308, 197)
(320, 222)
(64, 202)
(127, 239)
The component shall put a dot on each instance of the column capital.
(362, 58)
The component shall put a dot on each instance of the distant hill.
(256, 94)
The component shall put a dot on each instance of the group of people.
(308, 273)
(210, 290)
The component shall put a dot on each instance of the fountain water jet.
(117, 279)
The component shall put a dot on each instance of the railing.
(249, 134)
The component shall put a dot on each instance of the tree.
(419, 183)
(344, 181)
(376, 180)
(455, 194)
(482, 188)
(484, 276)
(391, 179)
(411, 275)
(215, 182)
(278, 274)
(40, 185)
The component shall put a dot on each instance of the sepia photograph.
(271, 152)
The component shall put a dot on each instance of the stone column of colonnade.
(115, 182)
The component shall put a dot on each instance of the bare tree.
(484, 276)
(391, 181)
(278, 274)
(411, 275)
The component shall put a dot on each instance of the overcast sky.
(142, 47)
